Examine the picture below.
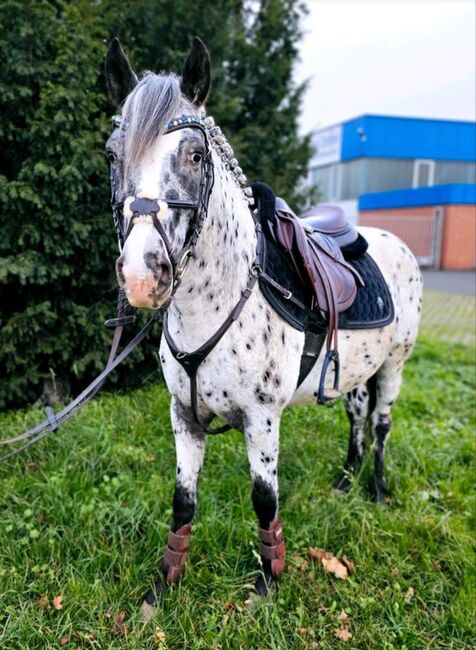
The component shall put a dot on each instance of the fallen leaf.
(230, 604)
(323, 609)
(304, 630)
(319, 553)
(348, 563)
(92, 639)
(343, 634)
(119, 624)
(57, 602)
(395, 572)
(332, 565)
(42, 601)
(159, 635)
(224, 620)
(410, 593)
(343, 617)
(64, 641)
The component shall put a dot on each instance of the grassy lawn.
(85, 514)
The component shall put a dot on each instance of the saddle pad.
(279, 267)
(372, 308)
(373, 305)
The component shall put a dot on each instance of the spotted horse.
(240, 341)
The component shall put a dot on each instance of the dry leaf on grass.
(330, 563)
(343, 634)
(348, 563)
(230, 604)
(333, 565)
(410, 593)
(64, 641)
(58, 602)
(159, 636)
(119, 624)
(319, 553)
(343, 617)
(42, 601)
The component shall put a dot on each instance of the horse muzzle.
(149, 290)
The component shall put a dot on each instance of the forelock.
(147, 110)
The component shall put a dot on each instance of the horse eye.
(111, 156)
(197, 157)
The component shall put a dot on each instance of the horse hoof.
(147, 611)
(343, 484)
(153, 598)
(380, 492)
(265, 584)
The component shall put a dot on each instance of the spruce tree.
(57, 244)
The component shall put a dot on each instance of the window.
(423, 173)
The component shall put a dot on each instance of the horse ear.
(120, 79)
(196, 73)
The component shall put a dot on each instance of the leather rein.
(190, 361)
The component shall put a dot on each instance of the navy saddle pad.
(372, 308)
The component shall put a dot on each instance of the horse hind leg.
(358, 404)
(389, 381)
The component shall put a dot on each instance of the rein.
(190, 361)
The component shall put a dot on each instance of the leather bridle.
(190, 361)
(140, 207)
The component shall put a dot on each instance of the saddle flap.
(326, 271)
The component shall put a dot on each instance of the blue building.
(377, 153)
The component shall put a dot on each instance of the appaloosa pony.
(189, 245)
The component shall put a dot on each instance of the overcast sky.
(397, 57)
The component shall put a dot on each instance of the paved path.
(460, 282)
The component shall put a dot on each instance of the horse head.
(161, 171)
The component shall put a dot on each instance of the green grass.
(85, 515)
(449, 317)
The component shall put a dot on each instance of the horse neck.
(219, 271)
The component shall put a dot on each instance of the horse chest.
(256, 364)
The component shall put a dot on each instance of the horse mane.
(147, 110)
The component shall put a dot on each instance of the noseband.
(140, 207)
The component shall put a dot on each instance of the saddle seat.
(326, 219)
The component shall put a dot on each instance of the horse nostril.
(164, 275)
(119, 270)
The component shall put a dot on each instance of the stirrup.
(332, 357)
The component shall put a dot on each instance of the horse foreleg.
(357, 408)
(262, 443)
(190, 451)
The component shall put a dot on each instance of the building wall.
(458, 248)
(415, 226)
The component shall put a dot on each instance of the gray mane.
(147, 110)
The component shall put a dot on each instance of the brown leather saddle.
(312, 243)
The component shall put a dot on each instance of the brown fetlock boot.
(176, 553)
(272, 546)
